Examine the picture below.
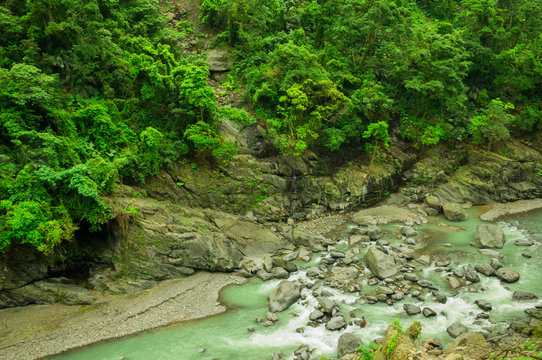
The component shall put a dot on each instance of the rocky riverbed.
(350, 275)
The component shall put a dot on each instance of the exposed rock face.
(399, 349)
(219, 60)
(284, 295)
(454, 212)
(466, 340)
(21, 265)
(47, 292)
(348, 343)
(489, 237)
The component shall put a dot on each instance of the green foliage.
(91, 93)
(367, 352)
(205, 139)
(491, 124)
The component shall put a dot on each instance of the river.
(225, 336)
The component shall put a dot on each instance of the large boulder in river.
(348, 343)
(454, 212)
(284, 295)
(381, 264)
(507, 275)
(396, 345)
(489, 237)
(456, 329)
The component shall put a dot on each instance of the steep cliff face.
(201, 217)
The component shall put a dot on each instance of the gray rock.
(536, 313)
(427, 312)
(523, 242)
(336, 323)
(284, 295)
(280, 273)
(456, 329)
(326, 304)
(431, 212)
(374, 232)
(412, 309)
(315, 315)
(495, 264)
(313, 272)
(424, 260)
(287, 265)
(411, 277)
(279, 355)
(265, 276)
(470, 274)
(454, 212)
(507, 275)
(381, 264)
(410, 241)
(489, 237)
(522, 296)
(348, 343)
(491, 253)
(271, 316)
(291, 256)
(484, 305)
(433, 202)
(485, 269)
(453, 282)
(384, 290)
(441, 297)
(408, 231)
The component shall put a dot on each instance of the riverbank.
(38, 331)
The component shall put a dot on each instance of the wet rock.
(280, 273)
(491, 253)
(267, 263)
(356, 240)
(427, 284)
(433, 202)
(408, 231)
(374, 232)
(484, 305)
(489, 237)
(485, 269)
(536, 313)
(441, 297)
(431, 212)
(495, 264)
(411, 277)
(454, 212)
(265, 276)
(412, 309)
(523, 242)
(507, 275)
(456, 329)
(268, 323)
(470, 274)
(313, 272)
(424, 260)
(250, 265)
(287, 265)
(428, 312)
(410, 241)
(271, 316)
(384, 290)
(291, 256)
(348, 343)
(336, 323)
(315, 315)
(381, 264)
(523, 296)
(279, 355)
(284, 295)
(326, 304)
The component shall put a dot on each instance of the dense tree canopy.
(97, 91)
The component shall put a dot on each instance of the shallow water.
(226, 337)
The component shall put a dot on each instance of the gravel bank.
(500, 210)
(38, 331)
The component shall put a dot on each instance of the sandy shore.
(38, 331)
(501, 210)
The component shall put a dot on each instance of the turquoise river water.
(225, 336)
